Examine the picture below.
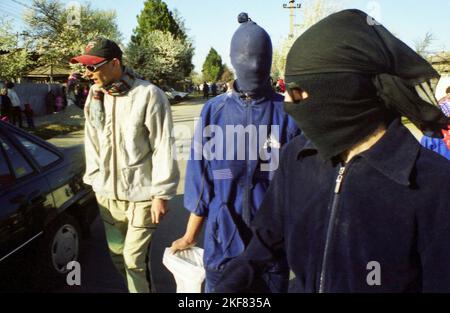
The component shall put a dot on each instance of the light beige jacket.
(131, 155)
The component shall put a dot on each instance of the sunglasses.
(94, 68)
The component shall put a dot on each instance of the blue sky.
(211, 23)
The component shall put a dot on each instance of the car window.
(20, 166)
(42, 155)
(6, 178)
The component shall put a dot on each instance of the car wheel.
(64, 247)
(177, 98)
(60, 246)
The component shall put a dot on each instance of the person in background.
(17, 107)
(281, 86)
(444, 103)
(205, 91)
(5, 105)
(29, 115)
(59, 103)
(50, 102)
(85, 93)
(438, 145)
(214, 89)
(64, 95)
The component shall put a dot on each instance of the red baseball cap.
(97, 51)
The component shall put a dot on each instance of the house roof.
(47, 71)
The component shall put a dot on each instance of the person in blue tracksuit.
(439, 145)
(234, 155)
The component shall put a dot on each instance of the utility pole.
(292, 6)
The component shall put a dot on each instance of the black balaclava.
(358, 76)
(251, 57)
(341, 110)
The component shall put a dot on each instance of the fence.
(35, 95)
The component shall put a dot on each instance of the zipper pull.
(339, 180)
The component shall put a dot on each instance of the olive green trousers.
(129, 230)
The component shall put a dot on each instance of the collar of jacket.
(240, 97)
(394, 155)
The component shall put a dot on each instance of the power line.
(12, 7)
(10, 13)
(31, 8)
(22, 4)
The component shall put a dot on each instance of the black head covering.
(349, 42)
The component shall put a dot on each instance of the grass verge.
(53, 130)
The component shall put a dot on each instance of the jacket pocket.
(137, 176)
(227, 240)
(141, 215)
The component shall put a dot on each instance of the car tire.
(177, 98)
(60, 246)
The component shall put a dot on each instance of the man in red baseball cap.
(129, 157)
(102, 60)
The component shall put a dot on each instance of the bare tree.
(311, 13)
(316, 10)
(422, 46)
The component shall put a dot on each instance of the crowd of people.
(213, 89)
(329, 186)
(15, 111)
(12, 109)
(340, 186)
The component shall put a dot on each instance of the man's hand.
(158, 210)
(188, 240)
(181, 244)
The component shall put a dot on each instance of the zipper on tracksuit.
(331, 224)
(246, 211)
(114, 150)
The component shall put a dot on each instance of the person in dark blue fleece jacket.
(357, 205)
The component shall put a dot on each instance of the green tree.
(14, 60)
(212, 67)
(196, 78)
(160, 56)
(51, 34)
(279, 57)
(156, 16)
(157, 21)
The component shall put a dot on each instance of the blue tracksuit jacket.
(234, 155)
